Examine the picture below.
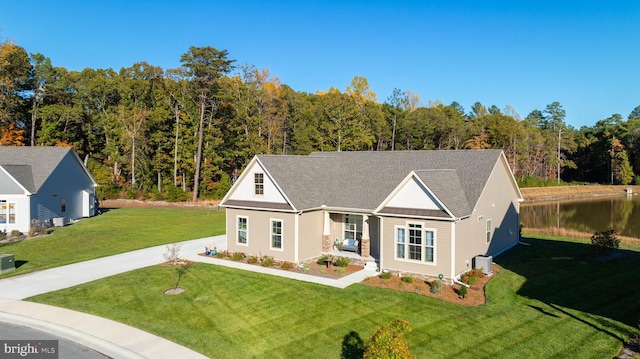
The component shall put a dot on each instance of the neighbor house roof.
(32, 165)
(363, 180)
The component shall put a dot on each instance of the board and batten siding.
(442, 256)
(8, 185)
(259, 233)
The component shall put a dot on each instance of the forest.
(186, 133)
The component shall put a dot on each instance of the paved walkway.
(106, 336)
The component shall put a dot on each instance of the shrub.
(472, 276)
(287, 265)
(222, 255)
(462, 291)
(172, 255)
(342, 262)
(33, 231)
(407, 279)
(323, 259)
(341, 270)
(436, 286)
(16, 233)
(252, 260)
(238, 256)
(268, 261)
(386, 275)
(603, 242)
(389, 342)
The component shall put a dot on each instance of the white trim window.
(488, 230)
(276, 234)
(258, 183)
(7, 212)
(242, 226)
(414, 242)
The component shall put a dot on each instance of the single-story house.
(422, 212)
(42, 184)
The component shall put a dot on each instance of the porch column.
(365, 248)
(327, 242)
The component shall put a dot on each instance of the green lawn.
(550, 300)
(116, 231)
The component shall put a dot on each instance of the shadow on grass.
(566, 277)
(352, 346)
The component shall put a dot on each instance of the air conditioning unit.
(7, 263)
(60, 221)
(483, 262)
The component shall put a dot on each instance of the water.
(621, 213)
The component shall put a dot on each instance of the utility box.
(483, 262)
(7, 263)
(60, 221)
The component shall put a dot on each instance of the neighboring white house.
(424, 212)
(40, 184)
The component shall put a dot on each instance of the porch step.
(370, 265)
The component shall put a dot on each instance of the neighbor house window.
(243, 230)
(488, 230)
(414, 242)
(7, 212)
(276, 233)
(258, 180)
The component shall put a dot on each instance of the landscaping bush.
(472, 276)
(268, 261)
(386, 275)
(342, 261)
(287, 265)
(252, 260)
(238, 256)
(223, 255)
(603, 242)
(462, 291)
(16, 233)
(389, 342)
(436, 286)
(407, 279)
(323, 258)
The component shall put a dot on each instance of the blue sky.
(527, 54)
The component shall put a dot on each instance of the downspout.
(296, 236)
(456, 280)
(381, 249)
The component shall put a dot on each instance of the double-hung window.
(415, 242)
(258, 182)
(7, 212)
(243, 230)
(276, 234)
(488, 230)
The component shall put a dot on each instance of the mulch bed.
(311, 268)
(475, 295)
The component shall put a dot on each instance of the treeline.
(188, 132)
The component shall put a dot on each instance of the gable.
(412, 194)
(9, 184)
(243, 192)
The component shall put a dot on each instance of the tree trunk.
(175, 149)
(196, 179)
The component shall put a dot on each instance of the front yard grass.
(116, 231)
(548, 301)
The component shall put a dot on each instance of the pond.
(621, 213)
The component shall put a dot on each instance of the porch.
(351, 235)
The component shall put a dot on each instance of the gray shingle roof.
(363, 180)
(31, 166)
